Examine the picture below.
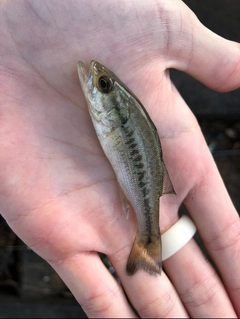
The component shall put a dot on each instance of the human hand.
(58, 191)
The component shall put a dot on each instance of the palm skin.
(58, 192)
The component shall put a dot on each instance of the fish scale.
(130, 141)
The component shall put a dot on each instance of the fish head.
(107, 98)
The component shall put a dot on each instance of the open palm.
(58, 192)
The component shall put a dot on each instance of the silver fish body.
(130, 141)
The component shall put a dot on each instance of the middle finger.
(151, 296)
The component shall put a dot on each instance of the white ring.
(177, 236)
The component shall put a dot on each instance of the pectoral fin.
(125, 202)
(125, 206)
(167, 184)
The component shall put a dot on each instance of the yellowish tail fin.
(146, 254)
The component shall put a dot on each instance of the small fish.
(130, 141)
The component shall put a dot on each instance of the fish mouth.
(82, 73)
(82, 69)
(86, 77)
(85, 74)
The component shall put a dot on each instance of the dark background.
(29, 288)
(223, 18)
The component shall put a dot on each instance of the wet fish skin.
(130, 141)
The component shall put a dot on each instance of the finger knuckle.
(161, 306)
(98, 304)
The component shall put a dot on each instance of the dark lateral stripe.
(138, 158)
(129, 134)
(133, 145)
(146, 202)
(140, 165)
(145, 191)
(130, 141)
(133, 153)
(141, 184)
(140, 176)
(149, 240)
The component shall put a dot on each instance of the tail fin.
(146, 254)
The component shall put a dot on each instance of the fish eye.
(105, 84)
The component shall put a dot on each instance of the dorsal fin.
(167, 184)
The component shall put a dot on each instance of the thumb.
(201, 53)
